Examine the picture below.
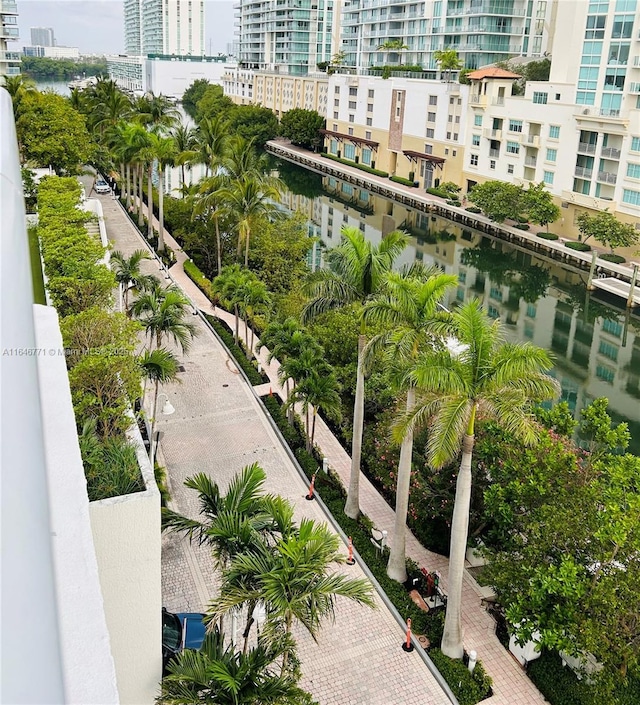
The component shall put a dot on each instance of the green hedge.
(402, 180)
(522, 226)
(438, 192)
(362, 167)
(580, 246)
(198, 278)
(547, 236)
(238, 353)
(474, 209)
(470, 688)
(454, 202)
(616, 259)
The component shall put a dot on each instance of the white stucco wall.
(126, 532)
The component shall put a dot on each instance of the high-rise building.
(42, 37)
(287, 36)
(164, 27)
(407, 32)
(9, 60)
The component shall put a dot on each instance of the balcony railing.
(634, 88)
(610, 153)
(492, 134)
(583, 172)
(586, 148)
(494, 152)
(497, 101)
(607, 177)
(530, 161)
(532, 140)
(475, 98)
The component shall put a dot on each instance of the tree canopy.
(302, 127)
(606, 229)
(193, 95)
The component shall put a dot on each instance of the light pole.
(167, 410)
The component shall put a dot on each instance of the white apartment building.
(9, 60)
(56, 52)
(42, 36)
(287, 36)
(164, 27)
(407, 127)
(580, 131)
(481, 31)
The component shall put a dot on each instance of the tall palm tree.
(155, 112)
(356, 270)
(407, 309)
(247, 199)
(230, 285)
(392, 45)
(211, 141)
(159, 367)
(184, 138)
(243, 158)
(255, 301)
(162, 312)
(321, 392)
(293, 580)
(487, 376)
(448, 61)
(217, 674)
(164, 151)
(17, 86)
(208, 202)
(129, 275)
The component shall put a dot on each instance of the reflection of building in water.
(537, 299)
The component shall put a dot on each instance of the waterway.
(594, 340)
(60, 87)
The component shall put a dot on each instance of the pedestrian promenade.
(218, 427)
(510, 683)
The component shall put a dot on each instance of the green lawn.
(36, 268)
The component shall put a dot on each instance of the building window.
(509, 168)
(608, 350)
(369, 122)
(455, 136)
(513, 148)
(635, 144)
(428, 148)
(477, 120)
(353, 91)
(333, 147)
(448, 135)
(473, 160)
(370, 94)
(350, 131)
(540, 98)
(337, 90)
(336, 103)
(367, 135)
(352, 118)
(433, 100)
(449, 118)
(633, 170)
(475, 140)
(554, 132)
(606, 374)
(335, 115)
(335, 126)
(557, 96)
(552, 155)
(352, 104)
(595, 26)
(547, 177)
(431, 117)
(349, 152)
(492, 164)
(430, 133)
(370, 108)
(451, 100)
(515, 125)
(366, 156)
(612, 327)
(631, 197)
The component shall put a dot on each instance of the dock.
(617, 287)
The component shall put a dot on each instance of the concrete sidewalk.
(218, 427)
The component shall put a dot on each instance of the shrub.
(402, 180)
(453, 202)
(198, 278)
(438, 192)
(616, 259)
(547, 236)
(522, 226)
(579, 246)
(474, 209)
(469, 688)
(362, 167)
(236, 351)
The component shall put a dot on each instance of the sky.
(97, 26)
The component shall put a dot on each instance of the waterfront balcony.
(581, 199)
(583, 172)
(531, 140)
(606, 177)
(586, 148)
(8, 7)
(530, 161)
(495, 153)
(492, 134)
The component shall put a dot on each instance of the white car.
(102, 186)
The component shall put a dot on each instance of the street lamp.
(167, 410)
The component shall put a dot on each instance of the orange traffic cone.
(350, 559)
(407, 645)
(311, 495)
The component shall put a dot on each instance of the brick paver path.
(218, 428)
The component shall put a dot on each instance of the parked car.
(102, 186)
(184, 630)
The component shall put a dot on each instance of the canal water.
(594, 339)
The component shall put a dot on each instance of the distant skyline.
(97, 26)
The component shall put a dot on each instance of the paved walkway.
(218, 428)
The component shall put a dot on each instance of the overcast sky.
(97, 26)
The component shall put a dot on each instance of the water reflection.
(595, 340)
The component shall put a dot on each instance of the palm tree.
(407, 309)
(292, 580)
(247, 199)
(155, 112)
(255, 301)
(241, 158)
(208, 202)
(217, 674)
(165, 152)
(158, 366)
(107, 106)
(184, 138)
(17, 86)
(356, 270)
(448, 61)
(128, 274)
(490, 377)
(210, 144)
(320, 391)
(162, 312)
(393, 45)
(230, 285)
